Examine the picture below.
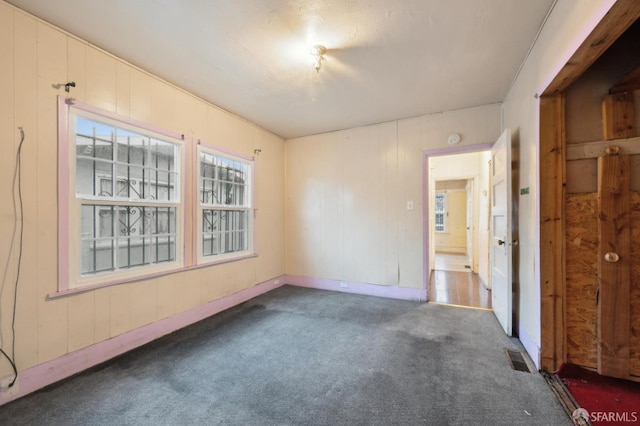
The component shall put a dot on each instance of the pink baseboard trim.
(49, 372)
(392, 292)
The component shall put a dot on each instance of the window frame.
(199, 206)
(70, 277)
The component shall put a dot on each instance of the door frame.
(426, 261)
(472, 249)
(552, 178)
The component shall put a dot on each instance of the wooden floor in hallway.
(456, 286)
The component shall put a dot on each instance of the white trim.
(530, 346)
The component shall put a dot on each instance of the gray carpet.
(308, 357)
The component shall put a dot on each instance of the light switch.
(409, 205)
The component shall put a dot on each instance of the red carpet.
(607, 401)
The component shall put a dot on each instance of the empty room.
(319, 212)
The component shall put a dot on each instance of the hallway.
(452, 283)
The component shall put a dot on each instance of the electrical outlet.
(5, 390)
(5, 382)
(276, 282)
(344, 285)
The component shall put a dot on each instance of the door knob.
(611, 257)
(500, 242)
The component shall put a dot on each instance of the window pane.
(439, 222)
(223, 181)
(440, 202)
(440, 211)
(224, 231)
(97, 248)
(93, 139)
(121, 237)
(132, 148)
(145, 168)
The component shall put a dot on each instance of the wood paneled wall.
(35, 59)
(347, 193)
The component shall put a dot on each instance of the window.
(225, 215)
(124, 199)
(441, 212)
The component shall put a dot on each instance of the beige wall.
(347, 193)
(567, 26)
(34, 57)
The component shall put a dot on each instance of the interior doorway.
(458, 230)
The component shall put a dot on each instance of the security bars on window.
(440, 211)
(225, 200)
(127, 183)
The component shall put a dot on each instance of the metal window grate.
(517, 360)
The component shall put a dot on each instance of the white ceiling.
(386, 59)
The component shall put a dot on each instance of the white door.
(500, 231)
(470, 257)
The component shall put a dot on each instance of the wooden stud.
(618, 116)
(614, 261)
(552, 239)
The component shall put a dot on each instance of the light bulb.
(318, 52)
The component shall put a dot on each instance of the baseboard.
(451, 250)
(41, 375)
(530, 346)
(392, 292)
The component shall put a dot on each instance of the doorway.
(576, 305)
(458, 230)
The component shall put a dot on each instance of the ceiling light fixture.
(318, 52)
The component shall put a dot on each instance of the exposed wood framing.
(579, 151)
(614, 265)
(552, 178)
(582, 282)
(620, 17)
(552, 242)
(618, 116)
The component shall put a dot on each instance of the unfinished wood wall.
(582, 279)
(596, 117)
(582, 239)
